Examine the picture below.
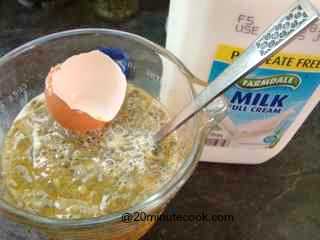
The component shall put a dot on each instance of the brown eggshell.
(74, 120)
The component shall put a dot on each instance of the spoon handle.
(297, 18)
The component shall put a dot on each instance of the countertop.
(277, 200)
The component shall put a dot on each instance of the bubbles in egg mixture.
(52, 172)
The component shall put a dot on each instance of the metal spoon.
(297, 18)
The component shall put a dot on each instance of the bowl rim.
(155, 199)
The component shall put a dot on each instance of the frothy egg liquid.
(51, 172)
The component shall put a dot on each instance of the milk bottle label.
(263, 104)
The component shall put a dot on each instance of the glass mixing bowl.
(22, 74)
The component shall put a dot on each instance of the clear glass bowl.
(22, 74)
